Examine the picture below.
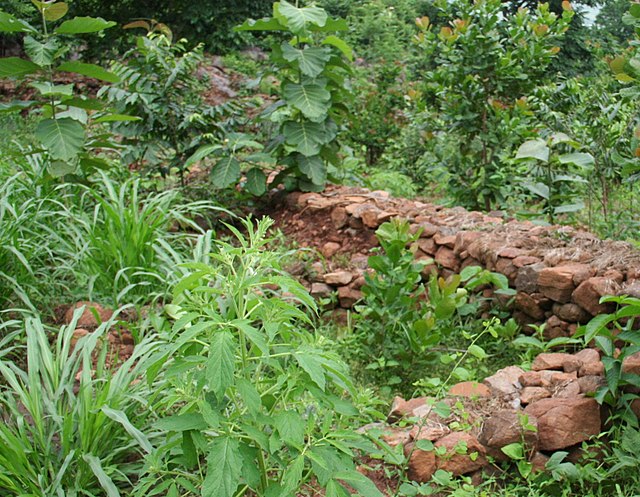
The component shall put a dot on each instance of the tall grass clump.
(67, 417)
(124, 235)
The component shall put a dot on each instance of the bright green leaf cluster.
(62, 130)
(312, 69)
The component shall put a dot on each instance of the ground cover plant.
(218, 374)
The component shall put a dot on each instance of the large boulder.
(563, 422)
(464, 454)
(506, 427)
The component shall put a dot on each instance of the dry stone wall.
(559, 273)
(546, 410)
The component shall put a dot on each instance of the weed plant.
(126, 237)
(68, 418)
(248, 387)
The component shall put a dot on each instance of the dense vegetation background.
(137, 135)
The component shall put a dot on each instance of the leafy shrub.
(481, 67)
(249, 388)
(377, 117)
(159, 85)
(404, 325)
(66, 436)
(63, 131)
(558, 175)
(312, 69)
(210, 21)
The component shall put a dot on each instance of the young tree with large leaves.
(485, 63)
(312, 67)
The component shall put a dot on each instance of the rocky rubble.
(119, 340)
(546, 409)
(558, 272)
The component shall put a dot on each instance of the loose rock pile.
(119, 340)
(546, 409)
(559, 273)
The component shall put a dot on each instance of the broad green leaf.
(105, 481)
(307, 137)
(85, 103)
(225, 172)
(47, 89)
(477, 351)
(249, 395)
(201, 153)
(533, 149)
(267, 24)
(79, 25)
(223, 469)
(253, 334)
(559, 137)
(14, 67)
(314, 168)
(62, 138)
(10, 24)
(311, 61)
(562, 209)
(340, 44)
(331, 25)
(617, 64)
(361, 483)
(40, 53)
(51, 11)
(121, 417)
(256, 181)
(312, 99)
(292, 476)
(539, 189)
(16, 105)
(290, 426)
(423, 444)
(634, 10)
(182, 422)
(89, 70)
(597, 326)
(311, 362)
(514, 451)
(299, 19)
(111, 118)
(580, 159)
(221, 362)
(60, 168)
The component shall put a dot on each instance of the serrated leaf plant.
(312, 66)
(255, 404)
(63, 130)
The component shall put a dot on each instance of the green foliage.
(404, 326)
(128, 247)
(312, 68)
(64, 131)
(557, 174)
(377, 118)
(482, 67)
(70, 423)
(609, 331)
(159, 85)
(249, 388)
(209, 21)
